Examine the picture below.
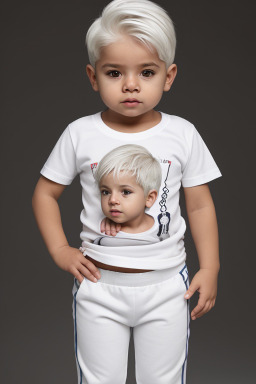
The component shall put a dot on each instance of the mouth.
(115, 212)
(131, 102)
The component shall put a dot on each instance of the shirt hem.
(128, 262)
(52, 175)
(192, 182)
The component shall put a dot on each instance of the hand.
(73, 261)
(109, 227)
(205, 282)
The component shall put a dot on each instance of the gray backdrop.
(44, 87)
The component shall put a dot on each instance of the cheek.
(107, 93)
(159, 83)
(104, 202)
(138, 204)
(106, 83)
(154, 90)
(102, 91)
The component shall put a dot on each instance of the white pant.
(153, 304)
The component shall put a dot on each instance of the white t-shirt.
(184, 158)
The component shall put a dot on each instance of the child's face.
(123, 200)
(130, 78)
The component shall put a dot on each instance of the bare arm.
(48, 217)
(204, 230)
(47, 213)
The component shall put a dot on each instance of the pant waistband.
(138, 279)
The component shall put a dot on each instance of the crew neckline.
(103, 127)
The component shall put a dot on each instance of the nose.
(131, 84)
(113, 199)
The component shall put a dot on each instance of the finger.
(87, 274)
(79, 276)
(200, 306)
(118, 227)
(90, 269)
(103, 225)
(113, 229)
(107, 227)
(80, 272)
(211, 305)
(204, 311)
(191, 290)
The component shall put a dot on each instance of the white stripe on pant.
(153, 304)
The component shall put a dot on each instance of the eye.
(147, 73)
(113, 73)
(104, 192)
(126, 192)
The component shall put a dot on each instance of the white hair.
(141, 19)
(135, 160)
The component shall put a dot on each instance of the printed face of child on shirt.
(124, 201)
(130, 78)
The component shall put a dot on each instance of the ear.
(92, 76)
(151, 198)
(170, 76)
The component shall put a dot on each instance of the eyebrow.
(121, 186)
(141, 65)
(126, 186)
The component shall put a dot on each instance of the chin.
(115, 219)
(130, 112)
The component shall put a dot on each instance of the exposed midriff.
(116, 269)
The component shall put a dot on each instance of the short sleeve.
(200, 167)
(61, 164)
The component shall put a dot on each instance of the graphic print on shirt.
(164, 217)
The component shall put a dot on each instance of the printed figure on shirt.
(163, 217)
(125, 173)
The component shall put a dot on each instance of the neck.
(141, 225)
(132, 124)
